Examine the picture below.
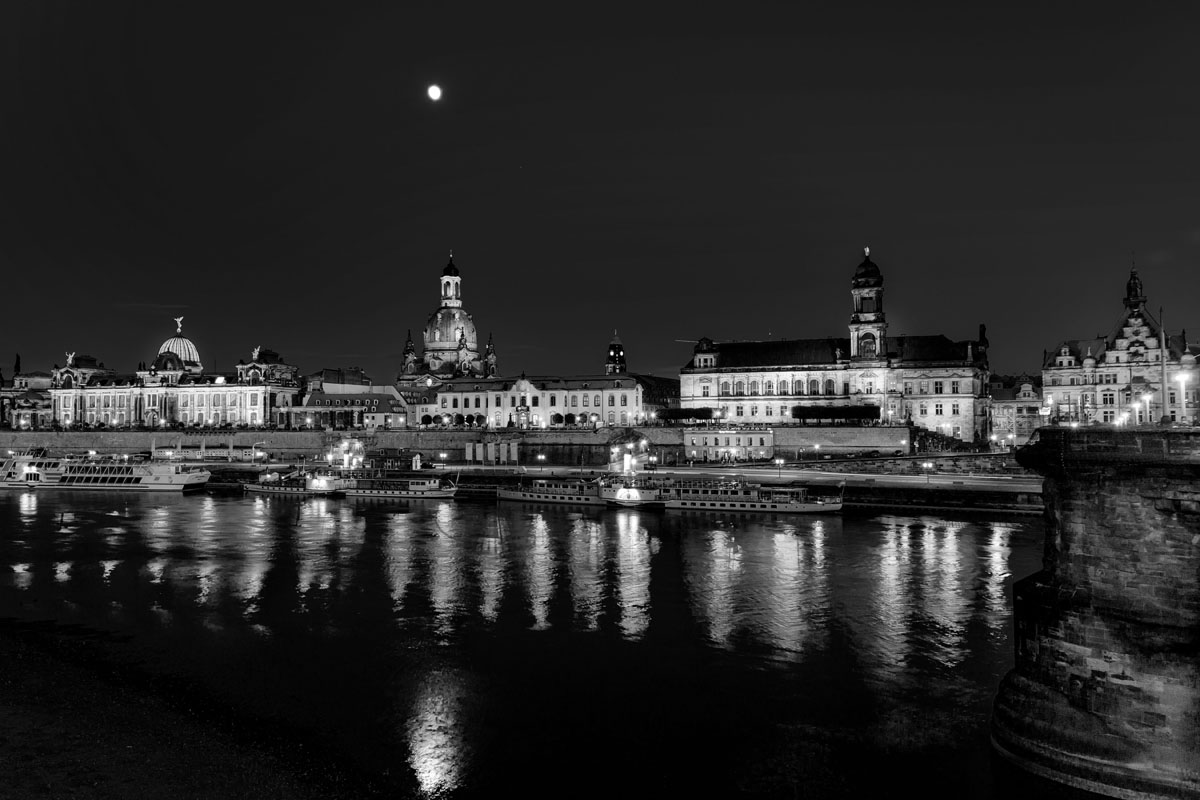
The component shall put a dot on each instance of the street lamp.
(816, 452)
(541, 461)
(779, 466)
(928, 465)
(442, 456)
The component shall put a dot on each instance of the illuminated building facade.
(451, 343)
(174, 391)
(615, 398)
(1016, 410)
(1118, 378)
(929, 381)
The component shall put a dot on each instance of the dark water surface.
(462, 648)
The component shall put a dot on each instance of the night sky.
(282, 179)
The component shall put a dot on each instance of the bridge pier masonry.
(1105, 692)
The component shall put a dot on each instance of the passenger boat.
(35, 469)
(632, 491)
(401, 486)
(300, 483)
(740, 495)
(574, 491)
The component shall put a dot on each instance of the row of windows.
(356, 403)
(737, 441)
(534, 401)
(119, 401)
(815, 386)
(1084, 380)
(938, 409)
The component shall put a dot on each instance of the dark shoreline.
(75, 722)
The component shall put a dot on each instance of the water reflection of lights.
(107, 567)
(22, 577)
(156, 568)
(490, 568)
(633, 563)
(586, 563)
(722, 564)
(28, 504)
(998, 550)
(540, 566)
(62, 571)
(436, 734)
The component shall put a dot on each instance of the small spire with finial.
(178, 324)
(867, 252)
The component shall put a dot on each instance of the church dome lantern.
(867, 274)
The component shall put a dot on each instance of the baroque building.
(613, 398)
(929, 381)
(1119, 378)
(174, 391)
(451, 343)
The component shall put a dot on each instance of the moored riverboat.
(741, 495)
(573, 491)
(300, 483)
(633, 491)
(36, 469)
(401, 486)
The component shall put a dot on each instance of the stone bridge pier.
(1105, 693)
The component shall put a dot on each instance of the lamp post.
(1146, 399)
(816, 452)
(779, 466)
(928, 465)
(541, 461)
(442, 456)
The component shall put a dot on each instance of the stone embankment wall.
(565, 447)
(1105, 694)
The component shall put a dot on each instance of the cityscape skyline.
(287, 183)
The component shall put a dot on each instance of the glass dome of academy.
(187, 357)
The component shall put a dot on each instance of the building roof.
(816, 352)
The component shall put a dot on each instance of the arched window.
(829, 386)
(866, 345)
(739, 388)
(753, 387)
(783, 388)
(725, 387)
(769, 387)
(814, 386)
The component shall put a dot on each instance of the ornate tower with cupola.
(868, 325)
(615, 363)
(451, 345)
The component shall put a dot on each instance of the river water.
(448, 649)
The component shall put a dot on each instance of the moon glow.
(434, 91)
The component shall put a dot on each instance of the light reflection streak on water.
(490, 568)
(62, 571)
(998, 551)
(22, 576)
(436, 733)
(540, 565)
(444, 559)
(714, 577)
(398, 557)
(27, 506)
(586, 553)
(945, 595)
(633, 564)
(787, 625)
(891, 608)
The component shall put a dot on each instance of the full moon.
(434, 92)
